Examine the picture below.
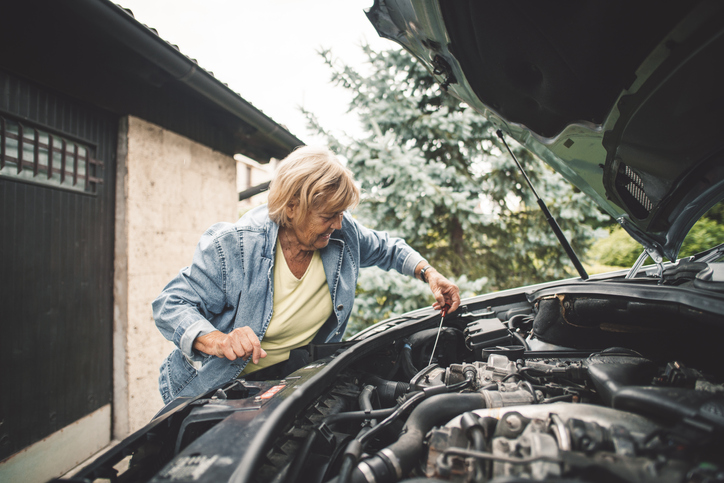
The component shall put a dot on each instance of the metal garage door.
(57, 172)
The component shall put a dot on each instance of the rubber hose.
(365, 401)
(358, 415)
(403, 455)
(514, 321)
(408, 367)
(388, 391)
(523, 342)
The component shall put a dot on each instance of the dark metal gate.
(57, 178)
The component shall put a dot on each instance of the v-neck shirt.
(301, 306)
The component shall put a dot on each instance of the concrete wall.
(169, 190)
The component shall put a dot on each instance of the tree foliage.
(431, 171)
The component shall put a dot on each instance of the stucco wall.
(170, 190)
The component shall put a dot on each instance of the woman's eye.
(331, 217)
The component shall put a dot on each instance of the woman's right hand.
(241, 342)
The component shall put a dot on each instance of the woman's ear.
(291, 210)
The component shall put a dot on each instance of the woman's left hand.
(444, 291)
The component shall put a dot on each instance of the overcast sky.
(267, 50)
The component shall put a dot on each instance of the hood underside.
(624, 99)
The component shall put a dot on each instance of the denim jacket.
(230, 284)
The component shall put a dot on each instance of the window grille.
(37, 156)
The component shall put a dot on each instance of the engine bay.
(500, 401)
(594, 382)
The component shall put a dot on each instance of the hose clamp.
(367, 472)
(392, 458)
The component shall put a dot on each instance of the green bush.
(620, 250)
(705, 234)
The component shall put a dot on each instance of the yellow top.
(301, 306)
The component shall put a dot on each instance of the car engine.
(498, 403)
(598, 382)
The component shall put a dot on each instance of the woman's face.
(314, 230)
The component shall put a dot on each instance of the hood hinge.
(656, 255)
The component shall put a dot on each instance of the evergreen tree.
(432, 172)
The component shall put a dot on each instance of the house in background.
(252, 181)
(116, 153)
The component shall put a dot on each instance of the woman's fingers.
(240, 343)
(246, 344)
(445, 292)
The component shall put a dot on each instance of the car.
(608, 378)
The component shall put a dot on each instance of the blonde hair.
(312, 178)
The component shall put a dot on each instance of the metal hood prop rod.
(549, 218)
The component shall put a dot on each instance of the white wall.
(169, 190)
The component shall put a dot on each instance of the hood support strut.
(549, 218)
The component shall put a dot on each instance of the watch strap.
(422, 272)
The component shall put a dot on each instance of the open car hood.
(624, 99)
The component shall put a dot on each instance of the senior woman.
(281, 277)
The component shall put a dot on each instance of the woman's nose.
(337, 224)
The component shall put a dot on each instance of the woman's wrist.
(425, 271)
(206, 343)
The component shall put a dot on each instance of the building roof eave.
(97, 52)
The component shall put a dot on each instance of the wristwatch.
(422, 272)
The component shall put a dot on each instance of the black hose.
(563, 397)
(462, 384)
(403, 454)
(528, 385)
(358, 415)
(355, 447)
(388, 391)
(521, 340)
(345, 471)
(513, 321)
(408, 367)
(351, 456)
(366, 413)
(395, 366)
(365, 404)
(365, 438)
(478, 439)
(301, 458)
(365, 401)
(471, 424)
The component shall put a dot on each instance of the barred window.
(37, 156)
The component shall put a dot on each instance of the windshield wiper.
(549, 218)
(710, 255)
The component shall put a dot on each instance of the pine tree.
(432, 172)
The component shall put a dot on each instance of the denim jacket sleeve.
(199, 292)
(379, 249)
